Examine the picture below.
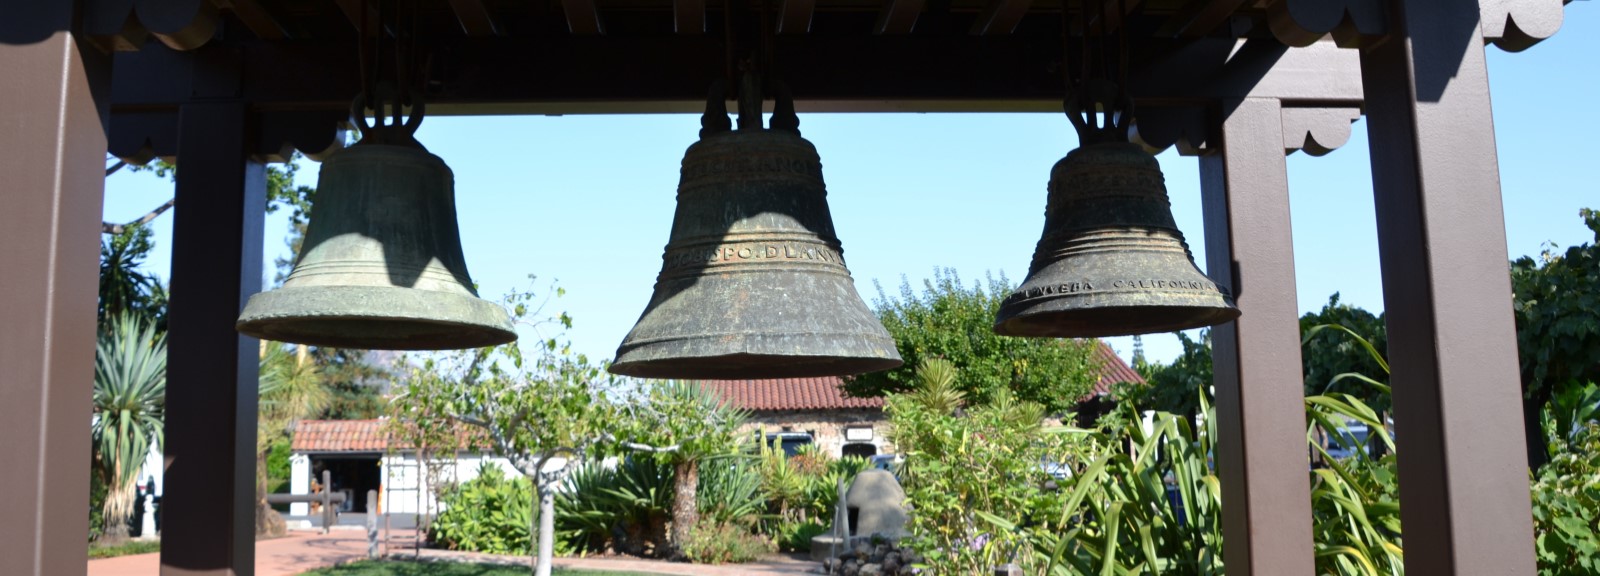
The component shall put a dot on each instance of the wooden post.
(1261, 456)
(52, 127)
(208, 523)
(1452, 339)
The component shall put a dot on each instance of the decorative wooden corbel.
(1317, 131)
(1516, 25)
(139, 137)
(316, 134)
(1353, 23)
(1158, 128)
(125, 25)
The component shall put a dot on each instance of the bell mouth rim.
(752, 366)
(297, 318)
(1093, 322)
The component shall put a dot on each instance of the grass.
(393, 568)
(124, 549)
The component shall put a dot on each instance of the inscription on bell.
(762, 165)
(756, 251)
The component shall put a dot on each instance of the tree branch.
(112, 169)
(109, 228)
(640, 447)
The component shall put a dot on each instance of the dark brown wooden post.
(208, 521)
(52, 128)
(1262, 458)
(1452, 341)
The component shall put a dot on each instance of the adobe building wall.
(828, 427)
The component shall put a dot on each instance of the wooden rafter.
(898, 16)
(689, 16)
(1114, 16)
(474, 17)
(1198, 18)
(258, 20)
(583, 17)
(1000, 17)
(794, 17)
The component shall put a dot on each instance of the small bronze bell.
(753, 283)
(1112, 261)
(381, 265)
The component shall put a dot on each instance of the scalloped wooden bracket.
(1156, 129)
(1352, 23)
(1516, 25)
(316, 134)
(139, 137)
(1317, 131)
(125, 25)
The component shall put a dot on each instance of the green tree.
(1175, 388)
(1556, 299)
(1329, 354)
(130, 388)
(545, 411)
(951, 321)
(290, 389)
(683, 424)
(125, 288)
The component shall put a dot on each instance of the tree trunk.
(684, 512)
(547, 529)
(268, 523)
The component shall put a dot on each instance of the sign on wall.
(858, 434)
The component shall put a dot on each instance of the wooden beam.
(1114, 16)
(583, 17)
(689, 16)
(898, 16)
(1000, 17)
(1198, 18)
(794, 17)
(474, 17)
(258, 20)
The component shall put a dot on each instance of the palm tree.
(291, 388)
(130, 398)
(123, 286)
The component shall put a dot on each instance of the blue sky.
(588, 200)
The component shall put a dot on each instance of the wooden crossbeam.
(1000, 17)
(583, 17)
(689, 16)
(1114, 16)
(898, 16)
(1198, 18)
(794, 17)
(258, 20)
(474, 17)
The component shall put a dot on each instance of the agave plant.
(130, 397)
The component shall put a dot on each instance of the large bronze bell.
(381, 265)
(1112, 261)
(753, 283)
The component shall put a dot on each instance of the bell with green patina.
(753, 283)
(381, 266)
(1112, 261)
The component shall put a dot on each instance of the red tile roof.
(789, 394)
(824, 394)
(364, 436)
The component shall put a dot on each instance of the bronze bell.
(753, 282)
(1112, 261)
(381, 265)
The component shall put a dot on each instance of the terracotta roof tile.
(365, 436)
(823, 393)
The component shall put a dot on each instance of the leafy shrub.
(492, 513)
(625, 507)
(729, 491)
(796, 536)
(1566, 507)
(724, 543)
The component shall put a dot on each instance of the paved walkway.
(302, 551)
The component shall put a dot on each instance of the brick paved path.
(302, 551)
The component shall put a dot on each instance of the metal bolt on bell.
(753, 281)
(1112, 261)
(381, 266)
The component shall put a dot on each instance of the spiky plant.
(130, 398)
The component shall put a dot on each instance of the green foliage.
(97, 501)
(1566, 507)
(1557, 309)
(796, 536)
(1568, 412)
(1177, 387)
(625, 508)
(124, 287)
(951, 321)
(492, 513)
(407, 568)
(730, 492)
(130, 387)
(984, 464)
(1327, 355)
(723, 543)
(683, 424)
(278, 466)
(1355, 502)
(125, 549)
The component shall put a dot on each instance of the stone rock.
(879, 503)
(870, 570)
(824, 546)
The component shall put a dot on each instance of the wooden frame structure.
(225, 85)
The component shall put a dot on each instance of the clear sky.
(588, 200)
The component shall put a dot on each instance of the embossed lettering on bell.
(753, 281)
(1112, 261)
